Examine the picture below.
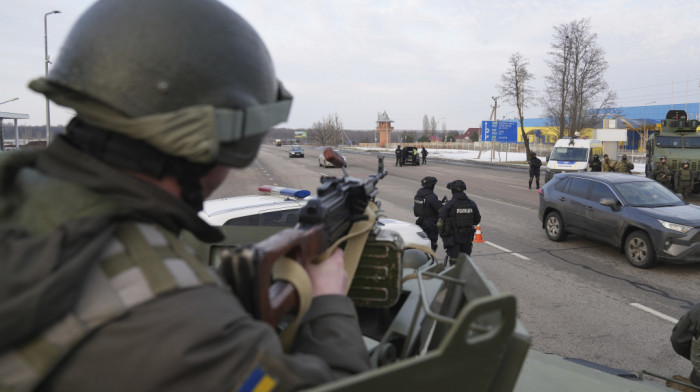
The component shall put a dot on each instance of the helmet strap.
(126, 153)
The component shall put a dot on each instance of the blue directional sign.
(499, 131)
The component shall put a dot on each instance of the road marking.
(507, 250)
(654, 312)
(434, 172)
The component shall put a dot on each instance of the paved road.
(577, 298)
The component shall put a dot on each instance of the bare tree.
(426, 125)
(576, 93)
(433, 124)
(515, 90)
(328, 131)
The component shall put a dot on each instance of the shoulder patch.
(258, 381)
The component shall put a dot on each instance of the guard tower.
(384, 128)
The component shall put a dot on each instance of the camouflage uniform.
(608, 165)
(685, 340)
(624, 166)
(663, 174)
(684, 180)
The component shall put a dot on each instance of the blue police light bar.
(299, 193)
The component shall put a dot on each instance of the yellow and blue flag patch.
(258, 381)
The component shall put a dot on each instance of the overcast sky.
(408, 58)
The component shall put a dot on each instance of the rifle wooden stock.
(276, 299)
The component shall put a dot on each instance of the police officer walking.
(596, 164)
(684, 180)
(97, 284)
(608, 164)
(662, 173)
(424, 153)
(426, 207)
(624, 166)
(535, 164)
(457, 220)
(398, 155)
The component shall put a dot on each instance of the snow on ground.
(473, 155)
(463, 155)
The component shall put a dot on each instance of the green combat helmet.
(184, 87)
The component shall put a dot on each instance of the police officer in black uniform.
(426, 207)
(535, 164)
(398, 155)
(457, 220)
(596, 164)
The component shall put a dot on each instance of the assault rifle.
(340, 202)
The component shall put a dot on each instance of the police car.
(280, 207)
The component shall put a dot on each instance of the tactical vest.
(142, 262)
(462, 216)
(418, 206)
(684, 175)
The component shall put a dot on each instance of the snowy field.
(473, 155)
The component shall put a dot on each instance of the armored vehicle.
(678, 141)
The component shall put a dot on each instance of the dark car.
(638, 215)
(296, 151)
(412, 156)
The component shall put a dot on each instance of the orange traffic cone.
(478, 237)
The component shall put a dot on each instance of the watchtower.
(384, 128)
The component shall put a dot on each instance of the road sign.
(499, 131)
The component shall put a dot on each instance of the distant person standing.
(535, 164)
(458, 218)
(662, 173)
(684, 180)
(424, 153)
(608, 164)
(623, 165)
(596, 164)
(398, 155)
(426, 207)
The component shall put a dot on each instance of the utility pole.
(492, 117)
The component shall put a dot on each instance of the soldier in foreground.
(535, 164)
(662, 173)
(608, 164)
(458, 218)
(624, 166)
(685, 341)
(684, 180)
(100, 294)
(426, 207)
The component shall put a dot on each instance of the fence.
(542, 150)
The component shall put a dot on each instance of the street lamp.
(9, 100)
(46, 74)
(646, 133)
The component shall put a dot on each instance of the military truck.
(678, 141)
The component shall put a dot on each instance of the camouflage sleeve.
(202, 339)
(688, 326)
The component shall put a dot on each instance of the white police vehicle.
(279, 207)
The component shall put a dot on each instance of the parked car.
(324, 163)
(412, 156)
(637, 215)
(296, 152)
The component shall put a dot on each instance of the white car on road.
(280, 207)
(324, 163)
